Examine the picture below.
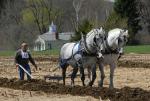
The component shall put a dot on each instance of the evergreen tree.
(84, 28)
(128, 9)
(114, 20)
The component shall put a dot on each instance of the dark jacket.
(23, 61)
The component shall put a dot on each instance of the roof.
(52, 37)
(48, 36)
(66, 35)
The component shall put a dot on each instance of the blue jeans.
(21, 72)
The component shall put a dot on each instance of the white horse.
(74, 53)
(113, 46)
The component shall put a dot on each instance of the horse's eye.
(119, 40)
(124, 37)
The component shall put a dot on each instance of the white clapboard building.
(52, 39)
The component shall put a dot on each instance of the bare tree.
(144, 9)
(77, 4)
(44, 13)
(54, 13)
(34, 6)
(12, 30)
(48, 4)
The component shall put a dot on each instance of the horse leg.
(64, 74)
(112, 69)
(101, 68)
(82, 75)
(89, 73)
(93, 75)
(74, 73)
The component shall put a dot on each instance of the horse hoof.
(72, 83)
(111, 87)
(100, 85)
(90, 84)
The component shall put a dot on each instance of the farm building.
(51, 39)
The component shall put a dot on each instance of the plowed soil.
(123, 94)
(132, 80)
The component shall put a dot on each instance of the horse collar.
(109, 49)
(86, 47)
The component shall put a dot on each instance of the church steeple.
(52, 28)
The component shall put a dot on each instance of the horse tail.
(59, 61)
(62, 62)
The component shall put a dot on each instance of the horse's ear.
(81, 34)
(121, 33)
(126, 33)
(100, 28)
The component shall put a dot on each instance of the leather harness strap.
(108, 49)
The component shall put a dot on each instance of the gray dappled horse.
(113, 48)
(79, 54)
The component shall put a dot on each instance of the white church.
(51, 39)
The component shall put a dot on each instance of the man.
(22, 58)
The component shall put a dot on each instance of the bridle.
(95, 43)
(110, 50)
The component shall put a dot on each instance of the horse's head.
(117, 39)
(123, 38)
(98, 40)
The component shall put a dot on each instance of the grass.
(54, 52)
(7, 53)
(139, 49)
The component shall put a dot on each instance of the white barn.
(51, 40)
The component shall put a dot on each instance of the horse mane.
(93, 31)
(116, 31)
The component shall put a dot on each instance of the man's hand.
(17, 65)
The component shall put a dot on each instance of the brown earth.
(123, 94)
(7, 94)
(132, 82)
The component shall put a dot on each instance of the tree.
(42, 13)
(2, 4)
(144, 9)
(77, 4)
(128, 8)
(12, 30)
(84, 28)
(115, 21)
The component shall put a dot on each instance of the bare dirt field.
(131, 81)
(22, 95)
